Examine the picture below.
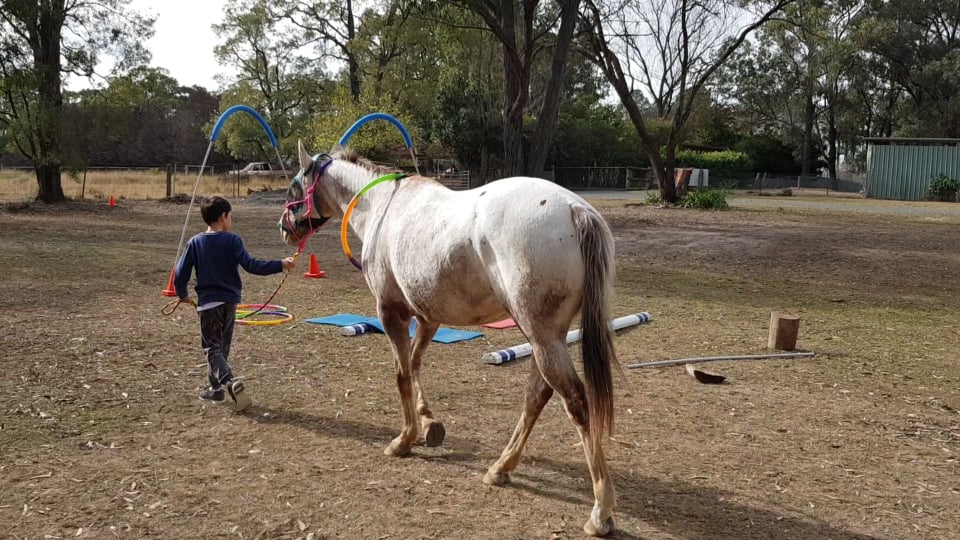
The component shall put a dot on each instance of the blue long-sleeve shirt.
(217, 256)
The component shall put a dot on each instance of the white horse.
(519, 247)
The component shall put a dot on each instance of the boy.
(216, 254)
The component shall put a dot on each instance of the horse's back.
(533, 215)
(462, 257)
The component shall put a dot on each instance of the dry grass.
(136, 184)
(103, 436)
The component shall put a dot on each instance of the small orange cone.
(314, 270)
(170, 290)
(113, 202)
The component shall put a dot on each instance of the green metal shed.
(901, 168)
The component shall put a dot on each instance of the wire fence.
(763, 181)
(587, 178)
(20, 184)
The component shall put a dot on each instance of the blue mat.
(443, 335)
(340, 319)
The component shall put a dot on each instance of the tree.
(377, 140)
(330, 27)
(522, 40)
(667, 50)
(126, 123)
(39, 42)
(916, 47)
(272, 77)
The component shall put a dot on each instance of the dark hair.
(212, 208)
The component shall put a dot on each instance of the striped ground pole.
(512, 353)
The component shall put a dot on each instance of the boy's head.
(213, 208)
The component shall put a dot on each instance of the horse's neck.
(344, 180)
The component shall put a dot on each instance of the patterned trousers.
(216, 335)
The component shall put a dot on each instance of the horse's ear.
(305, 158)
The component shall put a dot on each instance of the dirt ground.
(102, 434)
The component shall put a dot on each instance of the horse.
(519, 247)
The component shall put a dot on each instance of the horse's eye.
(295, 196)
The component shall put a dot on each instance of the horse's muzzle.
(297, 231)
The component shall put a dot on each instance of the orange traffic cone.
(113, 202)
(170, 290)
(314, 270)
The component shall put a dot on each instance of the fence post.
(169, 180)
(83, 187)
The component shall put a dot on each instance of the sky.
(183, 41)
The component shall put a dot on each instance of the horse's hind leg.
(537, 395)
(396, 324)
(433, 430)
(557, 368)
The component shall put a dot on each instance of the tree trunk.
(648, 141)
(353, 67)
(484, 164)
(832, 153)
(513, 162)
(48, 161)
(808, 119)
(547, 119)
(514, 97)
(48, 181)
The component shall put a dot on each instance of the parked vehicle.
(261, 168)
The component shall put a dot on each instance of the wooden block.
(783, 331)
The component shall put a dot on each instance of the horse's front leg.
(396, 324)
(433, 431)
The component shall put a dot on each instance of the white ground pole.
(512, 353)
(357, 329)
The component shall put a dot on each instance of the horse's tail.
(596, 247)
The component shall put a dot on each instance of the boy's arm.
(182, 272)
(253, 265)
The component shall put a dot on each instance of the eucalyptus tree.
(273, 75)
(39, 43)
(810, 52)
(334, 33)
(526, 29)
(916, 47)
(465, 112)
(665, 52)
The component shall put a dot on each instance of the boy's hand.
(288, 263)
(188, 300)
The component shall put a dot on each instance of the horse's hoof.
(496, 479)
(434, 433)
(397, 449)
(593, 528)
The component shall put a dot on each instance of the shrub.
(943, 188)
(653, 197)
(769, 154)
(726, 160)
(705, 199)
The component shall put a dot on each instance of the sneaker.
(212, 394)
(240, 398)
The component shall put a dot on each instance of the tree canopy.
(502, 87)
(40, 41)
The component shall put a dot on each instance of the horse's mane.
(351, 155)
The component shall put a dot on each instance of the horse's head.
(306, 208)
